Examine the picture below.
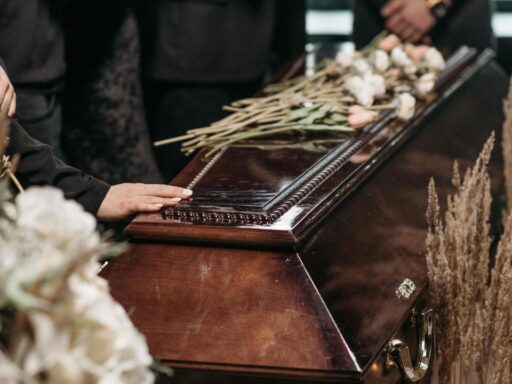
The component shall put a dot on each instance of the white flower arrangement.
(407, 72)
(63, 326)
(373, 78)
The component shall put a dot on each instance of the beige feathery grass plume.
(499, 306)
(507, 146)
(472, 301)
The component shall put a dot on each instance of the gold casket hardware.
(398, 352)
(406, 289)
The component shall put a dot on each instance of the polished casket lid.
(287, 260)
(276, 196)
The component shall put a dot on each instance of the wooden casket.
(296, 264)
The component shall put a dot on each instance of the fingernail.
(159, 205)
(187, 192)
(175, 199)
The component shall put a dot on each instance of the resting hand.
(124, 200)
(409, 19)
(7, 94)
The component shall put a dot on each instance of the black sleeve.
(38, 166)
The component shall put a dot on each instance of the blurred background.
(331, 21)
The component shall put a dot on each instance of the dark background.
(503, 8)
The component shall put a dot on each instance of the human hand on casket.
(7, 94)
(409, 19)
(124, 200)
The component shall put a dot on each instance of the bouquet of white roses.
(62, 325)
(58, 322)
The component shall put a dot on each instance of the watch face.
(439, 10)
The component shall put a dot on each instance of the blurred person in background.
(201, 55)
(37, 166)
(32, 46)
(107, 135)
(105, 123)
(448, 24)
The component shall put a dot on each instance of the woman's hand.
(7, 94)
(124, 200)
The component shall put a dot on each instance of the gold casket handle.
(399, 354)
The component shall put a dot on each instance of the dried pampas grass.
(471, 298)
(507, 146)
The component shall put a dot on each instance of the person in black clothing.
(104, 117)
(39, 166)
(203, 54)
(32, 46)
(448, 24)
(101, 116)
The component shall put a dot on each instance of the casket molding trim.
(327, 166)
(341, 156)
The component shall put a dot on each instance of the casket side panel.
(375, 239)
(228, 309)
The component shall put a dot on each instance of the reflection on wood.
(310, 296)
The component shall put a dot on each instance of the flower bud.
(425, 83)
(361, 66)
(433, 60)
(380, 60)
(344, 58)
(389, 42)
(405, 106)
(416, 52)
(362, 118)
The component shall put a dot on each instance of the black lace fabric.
(105, 128)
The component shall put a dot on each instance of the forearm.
(38, 166)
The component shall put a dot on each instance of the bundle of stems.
(307, 104)
(303, 105)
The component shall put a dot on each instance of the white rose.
(410, 69)
(47, 348)
(365, 97)
(99, 343)
(361, 90)
(361, 66)
(425, 83)
(354, 83)
(9, 372)
(433, 60)
(399, 57)
(380, 60)
(377, 83)
(8, 262)
(344, 58)
(43, 215)
(128, 358)
(405, 106)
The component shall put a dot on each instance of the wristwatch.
(438, 8)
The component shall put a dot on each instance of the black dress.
(105, 129)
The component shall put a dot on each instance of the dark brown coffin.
(285, 265)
